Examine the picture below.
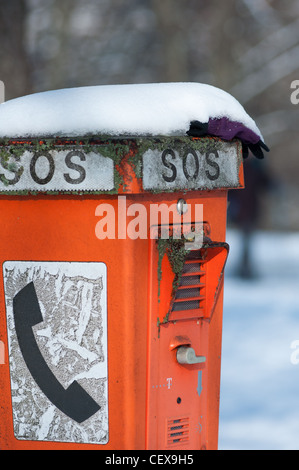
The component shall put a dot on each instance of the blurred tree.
(172, 37)
(15, 66)
(224, 28)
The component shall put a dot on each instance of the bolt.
(182, 206)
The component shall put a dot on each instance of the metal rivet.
(182, 206)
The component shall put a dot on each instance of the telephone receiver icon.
(74, 401)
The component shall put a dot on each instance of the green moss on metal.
(181, 144)
(115, 148)
(176, 253)
(5, 156)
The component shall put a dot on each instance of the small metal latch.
(186, 355)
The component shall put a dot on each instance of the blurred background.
(249, 48)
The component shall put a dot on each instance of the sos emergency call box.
(112, 257)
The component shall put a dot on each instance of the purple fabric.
(228, 130)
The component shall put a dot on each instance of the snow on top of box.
(144, 109)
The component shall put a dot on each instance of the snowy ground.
(260, 383)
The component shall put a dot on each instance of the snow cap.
(168, 109)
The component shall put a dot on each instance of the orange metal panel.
(63, 229)
(181, 404)
(51, 230)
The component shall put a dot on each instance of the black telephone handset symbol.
(74, 401)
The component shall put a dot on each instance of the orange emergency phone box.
(112, 259)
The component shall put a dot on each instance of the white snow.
(143, 109)
(259, 399)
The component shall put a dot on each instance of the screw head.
(182, 206)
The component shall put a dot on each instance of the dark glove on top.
(229, 130)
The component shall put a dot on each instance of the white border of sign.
(72, 338)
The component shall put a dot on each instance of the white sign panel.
(61, 170)
(57, 334)
(172, 169)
